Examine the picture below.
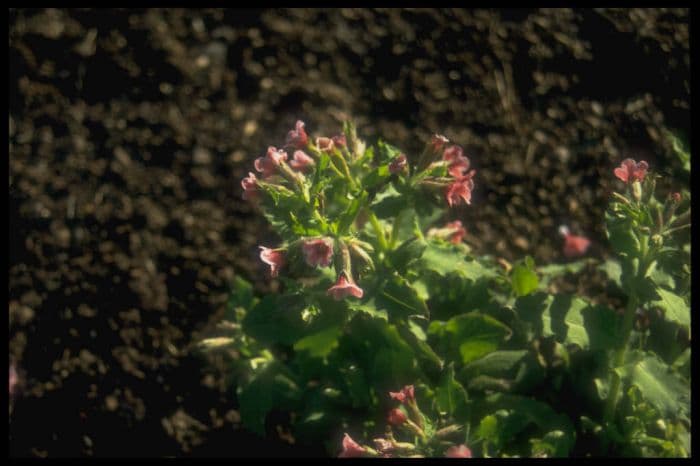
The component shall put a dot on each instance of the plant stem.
(619, 359)
(417, 228)
(381, 237)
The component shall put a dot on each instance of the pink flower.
(318, 252)
(574, 246)
(324, 144)
(344, 287)
(438, 142)
(351, 449)
(396, 417)
(676, 197)
(458, 451)
(459, 232)
(340, 140)
(250, 187)
(459, 163)
(301, 161)
(406, 393)
(398, 164)
(452, 153)
(297, 138)
(268, 165)
(274, 258)
(630, 171)
(460, 190)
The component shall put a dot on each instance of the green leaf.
(416, 337)
(675, 307)
(613, 270)
(349, 215)
(320, 344)
(400, 298)
(445, 259)
(554, 444)
(472, 335)
(275, 320)
(517, 413)
(450, 396)
(272, 387)
(376, 177)
(660, 386)
(370, 308)
(488, 428)
(386, 152)
(603, 327)
(497, 363)
(558, 315)
(523, 278)
(621, 237)
(408, 252)
(551, 271)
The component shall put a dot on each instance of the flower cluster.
(323, 194)
(281, 175)
(408, 419)
(630, 171)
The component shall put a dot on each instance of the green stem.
(381, 237)
(417, 229)
(346, 169)
(675, 229)
(619, 359)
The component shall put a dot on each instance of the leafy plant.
(376, 297)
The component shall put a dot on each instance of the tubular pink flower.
(630, 171)
(574, 246)
(344, 287)
(398, 164)
(340, 140)
(318, 252)
(438, 142)
(452, 153)
(460, 190)
(268, 165)
(459, 166)
(274, 258)
(396, 417)
(458, 451)
(459, 232)
(301, 161)
(351, 449)
(324, 144)
(250, 187)
(406, 393)
(297, 137)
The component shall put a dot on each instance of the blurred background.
(130, 130)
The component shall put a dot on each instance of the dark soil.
(130, 131)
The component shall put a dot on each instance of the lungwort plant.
(391, 338)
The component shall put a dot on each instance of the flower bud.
(396, 417)
(637, 191)
(670, 206)
(449, 430)
(358, 250)
(657, 240)
(215, 343)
